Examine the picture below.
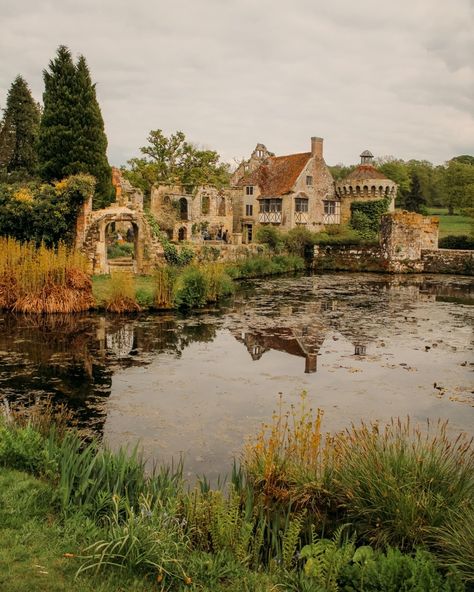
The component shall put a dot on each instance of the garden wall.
(448, 261)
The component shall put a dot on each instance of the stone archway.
(148, 250)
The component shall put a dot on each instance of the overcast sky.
(394, 76)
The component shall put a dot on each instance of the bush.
(271, 236)
(361, 223)
(456, 242)
(300, 241)
(120, 250)
(174, 256)
(191, 288)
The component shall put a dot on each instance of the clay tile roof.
(277, 175)
(364, 171)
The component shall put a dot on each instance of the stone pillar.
(82, 222)
(237, 238)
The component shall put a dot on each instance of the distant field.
(455, 225)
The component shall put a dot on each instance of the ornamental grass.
(121, 297)
(42, 280)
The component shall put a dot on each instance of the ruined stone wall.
(403, 235)
(448, 261)
(82, 222)
(349, 258)
(217, 251)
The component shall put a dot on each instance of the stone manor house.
(282, 191)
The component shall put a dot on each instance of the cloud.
(393, 77)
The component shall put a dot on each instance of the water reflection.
(201, 382)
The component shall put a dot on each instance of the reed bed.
(42, 280)
(164, 281)
(121, 297)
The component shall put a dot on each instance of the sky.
(395, 77)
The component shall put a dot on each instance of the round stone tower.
(365, 183)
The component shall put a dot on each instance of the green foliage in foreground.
(91, 511)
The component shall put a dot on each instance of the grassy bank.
(187, 287)
(455, 225)
(303, 512)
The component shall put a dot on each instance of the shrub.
(300, 241)
(456, 242)
(191, 288)
(271, 236)
(120, 250)
(175, 256)
(219, 284)
(363, 225)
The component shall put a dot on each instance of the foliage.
(454, 542)
(372, 461)
(456, 242)
(263, 265)
(345, 236)
(116, 250)
(19, 131)
(458, 184)
(141, 539)
(177, 256)
(164, 280)
(42, 280)
(190, 290)
(72, 138)
(121, 297)
(43, 213)
(415, 200)
(174, 161)
(271, 236)
(300, 241)
(363, 225)
(372, 211)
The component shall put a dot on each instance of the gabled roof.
(364, 171)
(277, 175)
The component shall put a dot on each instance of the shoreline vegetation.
(45, 280)
(374, 508)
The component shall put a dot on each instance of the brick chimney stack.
(317, 147)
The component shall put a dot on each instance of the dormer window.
(309, 180)
(249, 190)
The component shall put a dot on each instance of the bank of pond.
(373, 508)
(42, 280)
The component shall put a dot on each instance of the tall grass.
(398, 481)
(41, 280)
(164, 281)
(121, 296)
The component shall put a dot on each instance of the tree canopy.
(173, 160)
(72, 138)
(19, 131)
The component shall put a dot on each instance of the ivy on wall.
(365, 215)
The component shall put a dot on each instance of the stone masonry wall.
(349, 258)
(403, 235)
(448, 261)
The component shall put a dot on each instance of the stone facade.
(405, 234)
(207, 212)
(284, 191)
(365, 183)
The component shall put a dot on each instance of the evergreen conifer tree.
(72, 138)
(415, 201)
(19, 130)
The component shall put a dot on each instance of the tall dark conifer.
(72, 138)
(19, 130)
(415, 200)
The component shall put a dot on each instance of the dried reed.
(41, 280)
(121, 297)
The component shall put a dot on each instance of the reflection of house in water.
(303, 341)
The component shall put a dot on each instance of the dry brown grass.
(41, 280)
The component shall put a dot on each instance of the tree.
(396, 170)
(173, 160)
(415, 200)
(19, 130)
(458, 184)
(72, 138)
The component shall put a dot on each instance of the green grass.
(456, 225)
(33, 541)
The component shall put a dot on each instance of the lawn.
(456, 224)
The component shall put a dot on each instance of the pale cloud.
(393, 77)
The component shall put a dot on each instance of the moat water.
(362, 346)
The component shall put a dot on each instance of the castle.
(283, 191)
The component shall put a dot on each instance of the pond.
(362, 346)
